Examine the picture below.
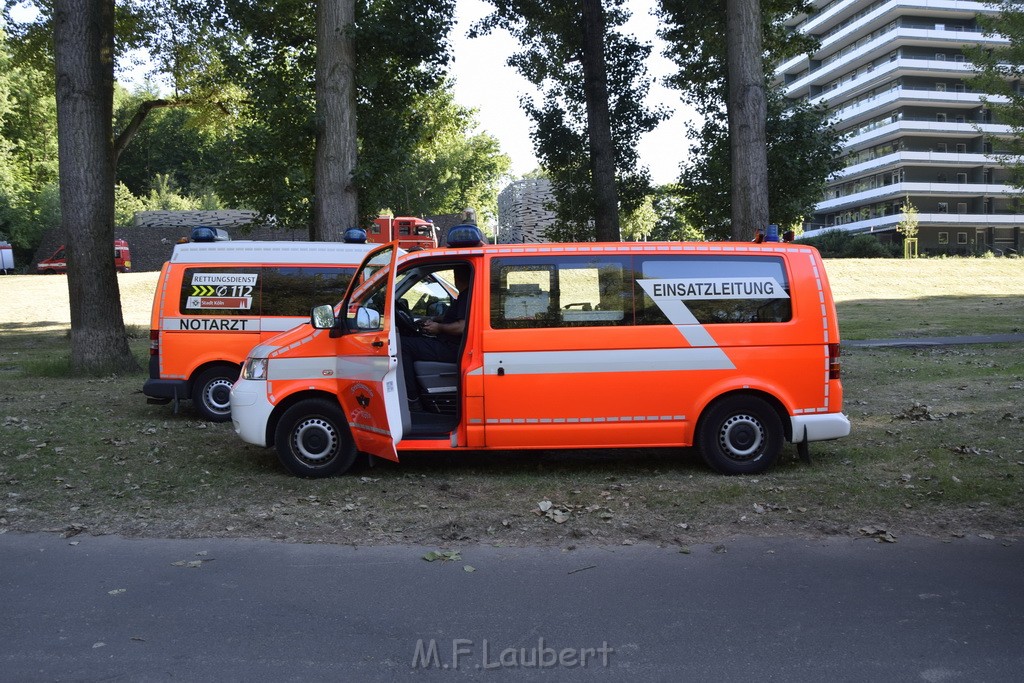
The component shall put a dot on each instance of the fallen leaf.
(444, 555)
(468, 568)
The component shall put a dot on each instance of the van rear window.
(714, 289)
(258, 290)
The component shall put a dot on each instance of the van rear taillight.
(154, 342)
(833, 361)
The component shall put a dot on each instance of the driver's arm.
(455, 328)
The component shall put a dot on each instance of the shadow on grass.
(930, 316)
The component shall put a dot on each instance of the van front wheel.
(741, 435)
(211, 392)
(313, 440)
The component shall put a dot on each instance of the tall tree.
(802, 154)
(748, 110)
(270, 52)
(84, 52)
(1000, 70)
(336, 205)
(561, 56)
(704, 41)
(599, 132)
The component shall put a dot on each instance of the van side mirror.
(322, 317)
(367, 319)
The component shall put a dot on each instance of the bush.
(865, 246)
(842, 244)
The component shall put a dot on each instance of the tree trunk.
(335, 202)
(84, 55)
(748, 111)
(602, 149)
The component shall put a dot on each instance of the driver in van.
(442, 344)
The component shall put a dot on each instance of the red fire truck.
(410, 232)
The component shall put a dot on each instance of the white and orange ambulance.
(214, 301)
(732, 347)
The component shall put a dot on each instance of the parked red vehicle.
(411, 232)
(58, 262)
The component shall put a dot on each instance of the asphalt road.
(839, 609)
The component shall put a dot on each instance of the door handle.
(377, 344)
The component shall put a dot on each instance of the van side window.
(255, 290)
(293, 290)
(717, 289)
(541, 292)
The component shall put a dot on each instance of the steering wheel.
(404, 320)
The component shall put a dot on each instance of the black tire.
(740, 435)
(313, 440)
(211, 392)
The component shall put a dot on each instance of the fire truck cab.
(410, 232)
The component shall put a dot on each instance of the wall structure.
(522, 216)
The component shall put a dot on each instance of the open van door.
(367, 362)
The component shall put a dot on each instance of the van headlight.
(255, 368)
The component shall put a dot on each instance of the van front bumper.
(250, 411)
(821, 427)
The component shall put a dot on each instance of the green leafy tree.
(909, 221)
(28, 147)
(669, 202)
(697, 36)
(802, 153)
(126, 205)
(452, 165)
(401, 55)
(1000, 69)
(180, 142)
(638, 225)
(563, 47)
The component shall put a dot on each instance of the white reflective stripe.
(330, 367)
(272, 253)
(263, 351)
(614, 360)
(282, 324)
(369, 428)
(589, 420)
(696, 335)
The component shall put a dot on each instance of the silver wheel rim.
(315, 440)
(217, 396)
(741, 437)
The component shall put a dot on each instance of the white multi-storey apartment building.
(895, 78)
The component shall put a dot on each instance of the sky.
(484, 82)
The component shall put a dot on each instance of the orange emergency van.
(214, 301)
(732, 347)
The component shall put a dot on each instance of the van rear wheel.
(313, 440)
(211, 392)
(741, 435)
